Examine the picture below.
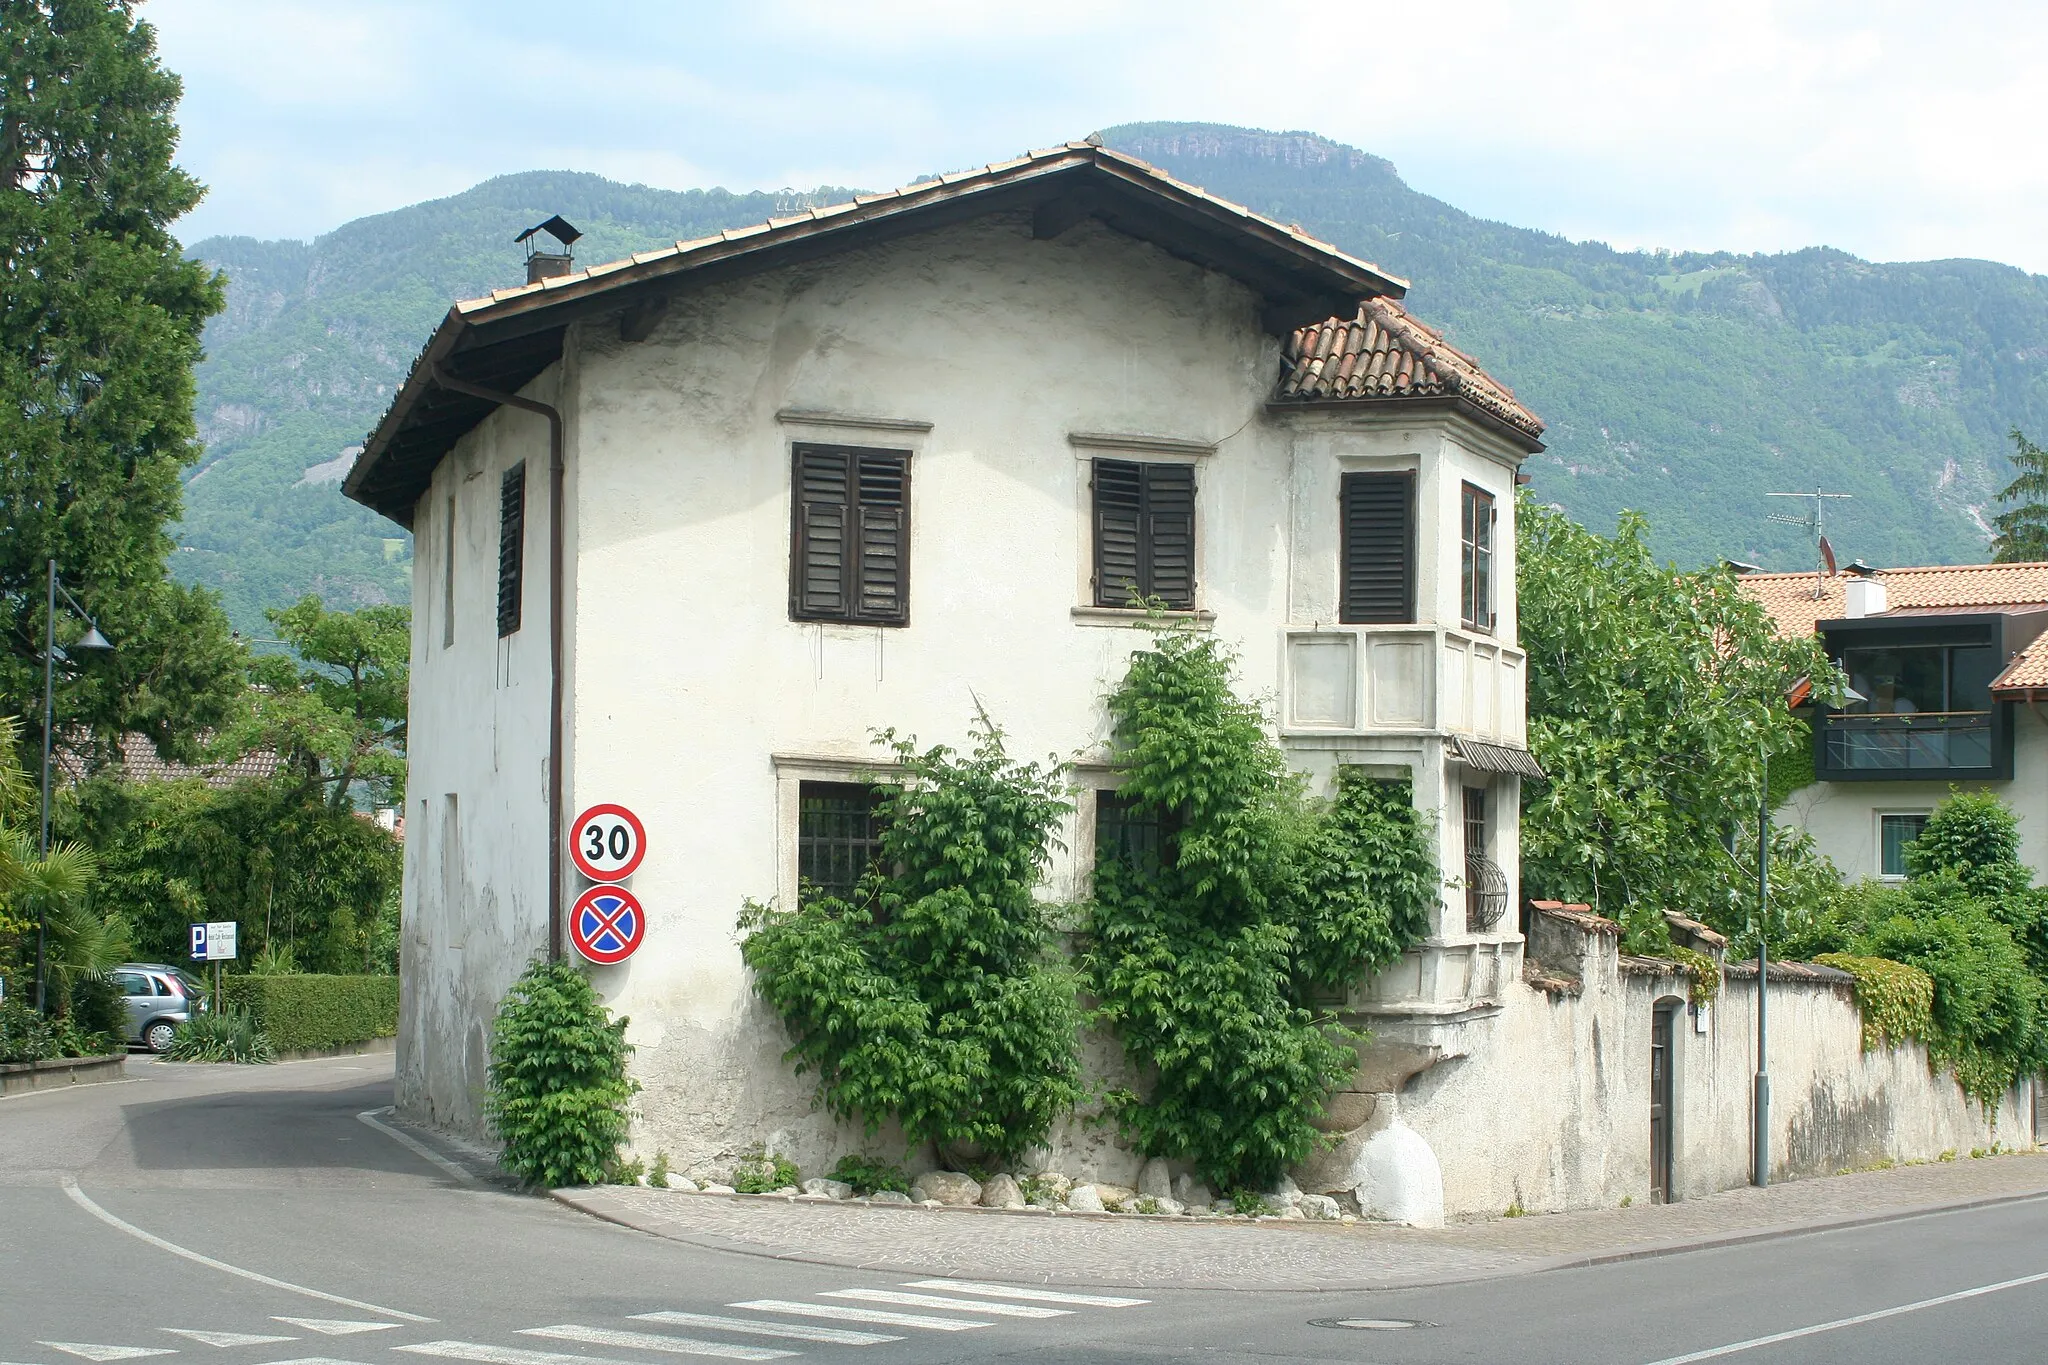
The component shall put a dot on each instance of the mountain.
(1686, 385)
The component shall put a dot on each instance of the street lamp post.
(1760, 1143)
(91, 640)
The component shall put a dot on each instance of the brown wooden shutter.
(1119, 531)
(1169, 541)
(850, 542)
(1378, 549)
(819, 553)
(511, 547)
(883, 511)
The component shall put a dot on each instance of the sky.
(1897, 131)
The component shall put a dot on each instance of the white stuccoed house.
(689, 526)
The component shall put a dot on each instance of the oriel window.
(1475, 577)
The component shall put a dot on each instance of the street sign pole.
(1760, 1143)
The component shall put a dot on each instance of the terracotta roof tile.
(1386, 352)
(2029, 671)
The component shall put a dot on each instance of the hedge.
(313, 1013)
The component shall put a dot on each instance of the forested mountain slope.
(1686, 385)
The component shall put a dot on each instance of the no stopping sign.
(607, 843)
(607, 924)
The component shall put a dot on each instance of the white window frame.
(1878, 818)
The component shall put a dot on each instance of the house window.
(1475, 576)
(511, 546)
(448, 578)
(1378, 549)
(850, 543)
(1126, 833)
(1476, 840)
(1896, 829)
(838, 836)
(1144, 533)
(1919, 707)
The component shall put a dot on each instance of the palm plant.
(50, 886)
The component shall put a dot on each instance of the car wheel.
(157, 1037)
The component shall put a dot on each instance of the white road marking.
(80, 1198)
(793, 1331)
(92, 1352)
(413, 1144)
(654, 1341)
(225, 1338)
(315, 1360)
(897, 1296)
(338, 1327)
(1754, 1342)
(512, 1355)
(1004, 1291)
(875, 1315)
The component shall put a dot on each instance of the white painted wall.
(1842, 816)
(475, 900)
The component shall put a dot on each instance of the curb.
(583, 1199)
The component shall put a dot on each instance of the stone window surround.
(1090, 446)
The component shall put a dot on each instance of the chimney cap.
(1742, 566)
(558, 227)
(1857, 568)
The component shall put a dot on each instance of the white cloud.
(1882, 127)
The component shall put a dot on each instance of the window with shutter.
(1475, 576)
(850, 539)
(511, 547)
(1144, 533)
(1378, 549)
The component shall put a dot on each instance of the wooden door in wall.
(1660, 1102)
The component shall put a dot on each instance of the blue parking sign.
(199, 943)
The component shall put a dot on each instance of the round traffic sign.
(607, 843)
(607, 924)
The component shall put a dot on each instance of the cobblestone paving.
(1162, 1253)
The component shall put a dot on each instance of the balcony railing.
(1929, 740)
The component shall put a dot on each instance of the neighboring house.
(865, 466)
(1950, 669)
(140, 762)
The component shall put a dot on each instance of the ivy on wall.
(934, 994)
(1205, 957)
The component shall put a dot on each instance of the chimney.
(545, 265)
(1863, 596)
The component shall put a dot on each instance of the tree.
(337, 715)
(2023, 529)
(1654, 696)
(100, 319)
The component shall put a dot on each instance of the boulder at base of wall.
(1399, 1178)
(1156, 1179)
(947, 1187)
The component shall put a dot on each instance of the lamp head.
(92, 639)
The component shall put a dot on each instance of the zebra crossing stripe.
(91, 1351)
(898, 1297)
(655, 1341)
(1004, 1291)
(792, 1331)
(225, 1339)
(336, 1327)
(844, 1314)
(512, 1355)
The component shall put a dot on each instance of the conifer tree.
(2023, 528)
(100, 319)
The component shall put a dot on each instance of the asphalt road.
(250, 1217)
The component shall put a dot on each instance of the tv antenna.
(1812, 520)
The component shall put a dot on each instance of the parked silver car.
(159, 999)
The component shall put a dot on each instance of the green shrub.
(24, 1036)
(558, 1083)
(98, 1009)
(225, 1035)
(314, 1013)
(764, 1174)
(1205, 956)
(934, 995)
(1975, 838)
(868, 1176)
(1895, 1000)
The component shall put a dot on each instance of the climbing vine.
(1205, 955)
(933, 994)
(1895, 1000)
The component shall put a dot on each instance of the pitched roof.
(1386, 353)
(1937, 588)
(140, 762)
(504, 340)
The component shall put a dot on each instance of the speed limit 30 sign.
(607, 842)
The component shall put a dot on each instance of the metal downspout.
(555, 631)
